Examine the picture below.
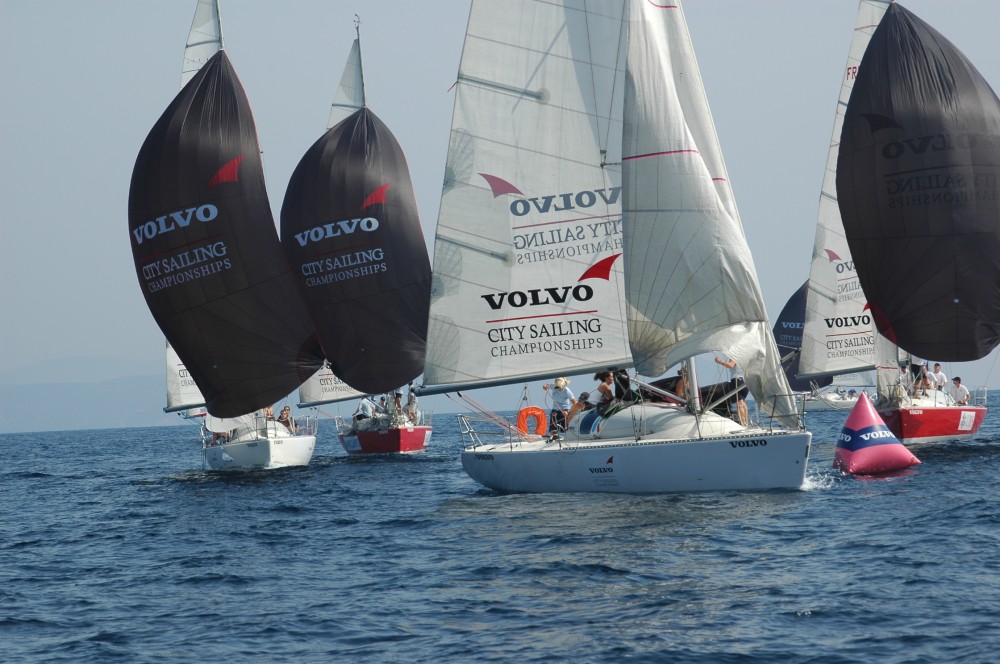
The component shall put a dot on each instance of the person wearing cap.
(958, 392)
(562, 401)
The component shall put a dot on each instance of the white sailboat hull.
(676, 458)
(827, 401)
(254, 451)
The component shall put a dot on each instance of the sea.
(115, 546)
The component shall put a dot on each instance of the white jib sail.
(691, 284)
(527, 271)
(838, 334)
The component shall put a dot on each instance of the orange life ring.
(541, 421)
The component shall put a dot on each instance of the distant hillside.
(81, 370)
(133, 401)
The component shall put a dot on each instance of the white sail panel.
(690, 280)
(243, 423)
(325, 387)
(350, 95)
(527, 269)
(838, 334)
(182, 391)
(204, 40)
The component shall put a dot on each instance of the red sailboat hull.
(387, 441)
(933, 424)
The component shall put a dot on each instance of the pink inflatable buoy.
(867, 447)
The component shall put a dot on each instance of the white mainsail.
(204, 39)
(350, 95)
(182, 391)
(325, 387)
(527, 272)
(838, 334)
(691, 284)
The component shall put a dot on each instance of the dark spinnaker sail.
(788, 335)
(918, 179)
(207, 254)
(350, 228)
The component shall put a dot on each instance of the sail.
(206, 252)
(204, 39)
(350, 229)
(919, 184)
(182, 391)
(527, 267)
(325, 387)
(787, 333)
(838, 336)
(691, 284)
(350, 95)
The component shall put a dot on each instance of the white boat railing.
(978, 396)
(495, 429)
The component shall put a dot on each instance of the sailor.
(940, 379)
(365, 409)
(737, 384)
(562, 401)
(285, 417)
(958, 392)
(412, 411)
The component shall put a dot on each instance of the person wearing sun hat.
(562, 401)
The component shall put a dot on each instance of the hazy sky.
(83, 82)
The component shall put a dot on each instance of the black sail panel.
(207, 253)
(788, 335)
(350, 228)
(918, 180)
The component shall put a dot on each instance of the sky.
(83, 82)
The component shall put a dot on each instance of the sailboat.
(917, 178)
(211, 269)
(350, 228)
(587, 221)
(825, 393)
(838, 337)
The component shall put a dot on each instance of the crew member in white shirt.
(939, 378)
(959, 392)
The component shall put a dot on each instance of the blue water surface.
(116, 546)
